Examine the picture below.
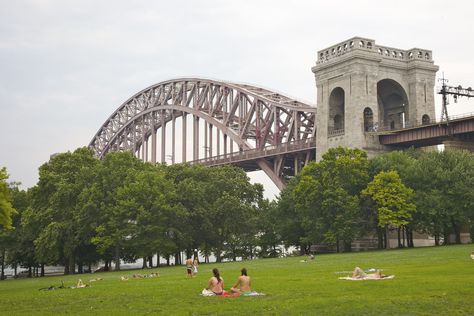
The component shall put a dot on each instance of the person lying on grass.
(358, 273)
(242, 285)
(216, 283)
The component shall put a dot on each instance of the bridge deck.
(430, 134)
(247, 158)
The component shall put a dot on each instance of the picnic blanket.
(229, 294)
(366, 278)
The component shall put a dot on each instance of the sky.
(65, 66)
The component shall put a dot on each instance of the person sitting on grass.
(216, 283)
(358, 273)
(242, 285)
(80, 284)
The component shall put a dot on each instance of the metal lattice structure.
(260, 124)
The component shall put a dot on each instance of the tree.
(153, 198)
(220, 207)
(195, 197)
(268, 238)
(61, 182)
(9, 238)
(327, 196)
(234, 204)
(6, 209)
(445, 200)
(405, 163)
(117, 219)
(393, 200)
(289, 223)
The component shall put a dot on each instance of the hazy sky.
(65, 66)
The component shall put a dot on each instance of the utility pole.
(456, 92)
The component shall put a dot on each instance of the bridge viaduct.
(368, 96)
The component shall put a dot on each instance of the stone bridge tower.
(363, 88)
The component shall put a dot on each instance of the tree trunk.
(106, 265)
(80, 268)
(403, 236)
(399, 237)
(380, 244)
(387, 242)
(150, 261)
(446, 236)
(218, 254)
(66, 268)
(2, 274)
(188, 252)
(158, 260)
(337, 244)
(410, 238)
(72, 264)
(177, 256)
(42, 270)
(457, 232)
(30, 272)
(117, 258)
(347, 246)
(168, 260)
(144, 263)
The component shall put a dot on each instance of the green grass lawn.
(429, 281)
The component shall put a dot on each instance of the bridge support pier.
(458, 144)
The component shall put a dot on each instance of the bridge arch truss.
(206, 121)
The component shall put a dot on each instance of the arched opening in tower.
(336, 110)
(393, 104)
(369, 120)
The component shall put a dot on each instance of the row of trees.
(84, 210)
(345, 196)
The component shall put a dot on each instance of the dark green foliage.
(83, 210)
(6, 209)
(327, 197)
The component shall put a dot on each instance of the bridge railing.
(335, 132)
(387, 128)
(256, 153)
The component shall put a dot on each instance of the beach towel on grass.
(229, 294)
(253, 293)
(365, 279)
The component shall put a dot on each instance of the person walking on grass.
(195, 265)
(189, 267)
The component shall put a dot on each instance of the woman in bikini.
(243, 283)
(216, 283)
(358, 273)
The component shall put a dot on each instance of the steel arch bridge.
(230, 123)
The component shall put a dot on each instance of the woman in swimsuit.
(358, 273)
(243, 283)
(216, 283)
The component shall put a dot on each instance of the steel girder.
(250, 116)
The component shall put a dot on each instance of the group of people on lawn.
(241, 286)
(216, 282)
